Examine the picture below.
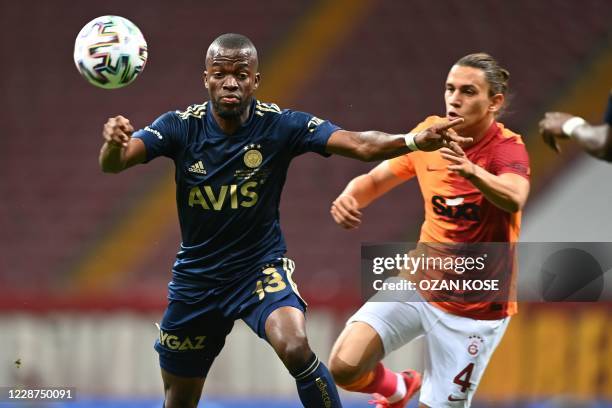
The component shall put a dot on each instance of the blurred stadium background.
(85, 257)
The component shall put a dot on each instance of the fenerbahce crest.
(252, 156)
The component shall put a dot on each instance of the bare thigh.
(181, 392)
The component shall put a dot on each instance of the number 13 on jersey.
(273, 281)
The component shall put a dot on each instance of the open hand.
(460, 164)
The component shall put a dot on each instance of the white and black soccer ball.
(110, 52)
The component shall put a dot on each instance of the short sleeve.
(162, 137)
(402, 166)
(511, 157)
(308, 133)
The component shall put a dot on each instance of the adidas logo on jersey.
(197, 167)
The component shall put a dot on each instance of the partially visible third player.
(596, 140)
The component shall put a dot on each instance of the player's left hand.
(551, 128)
(460, 164)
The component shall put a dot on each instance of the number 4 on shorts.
(463, 378)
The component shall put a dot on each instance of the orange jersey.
(456, 211)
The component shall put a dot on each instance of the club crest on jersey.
(475, 344)
(252, 156)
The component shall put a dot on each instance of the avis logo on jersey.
(241, 194)
(208, 197)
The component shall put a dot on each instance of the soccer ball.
(110, 52)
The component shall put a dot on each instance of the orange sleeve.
(403, 166)
(511, 157)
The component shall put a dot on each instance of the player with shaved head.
(231, 155)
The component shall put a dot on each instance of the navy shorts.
(193, 334)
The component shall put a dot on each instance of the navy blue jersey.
(228, 189)
(608, 114)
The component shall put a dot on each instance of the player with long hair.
(472, 194)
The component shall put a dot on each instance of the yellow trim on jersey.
(268, 107)
(289, 267)
(260, 109)
(322, 30)
(197, 111)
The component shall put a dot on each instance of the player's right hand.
(117, 131)
(551, 128)
(345, 211)
(440, 135)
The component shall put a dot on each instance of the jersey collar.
(217, 129)
(488, 137)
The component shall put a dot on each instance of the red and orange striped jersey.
(456, 211)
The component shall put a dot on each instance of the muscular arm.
(119, 150)
(366, 146)
(595, 140)
(115, 158)
(374, 145)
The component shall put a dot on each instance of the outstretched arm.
(595, 140)
(360, 192)
(119, 150)
(374, 145)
